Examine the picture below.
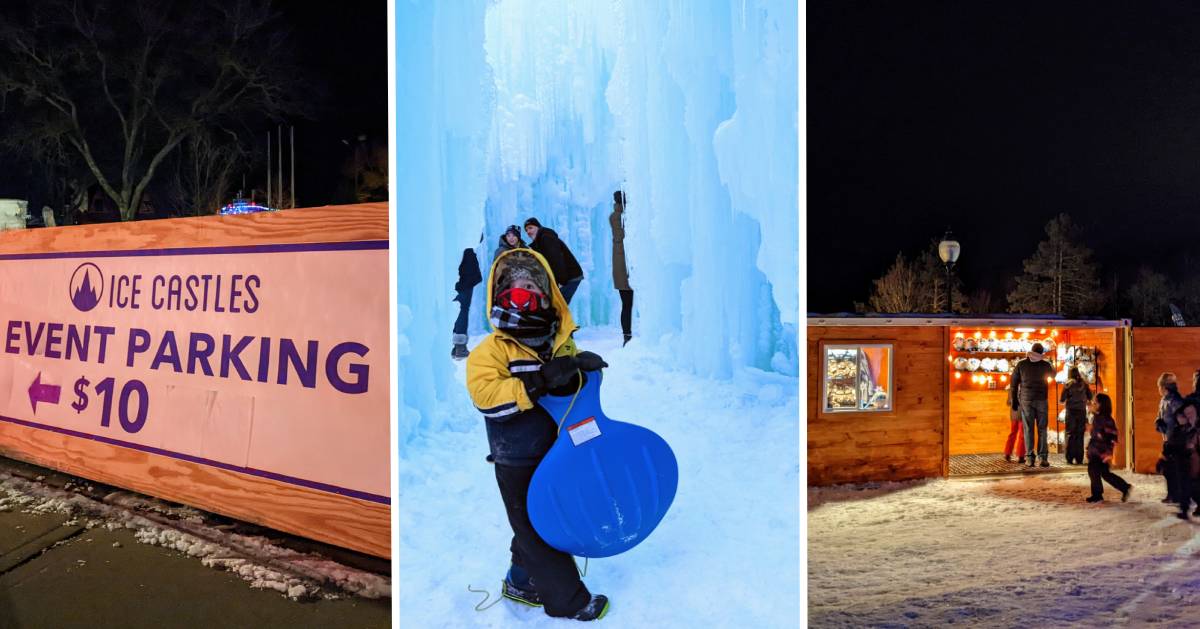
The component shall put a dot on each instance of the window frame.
(823, 408)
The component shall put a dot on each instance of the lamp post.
(948, 250)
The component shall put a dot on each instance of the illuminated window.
(857, 378)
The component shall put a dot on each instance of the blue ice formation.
(514, 108)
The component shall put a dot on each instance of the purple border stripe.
(355, 245)
(333, 489)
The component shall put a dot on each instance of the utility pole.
(269, 188)
(293, 144)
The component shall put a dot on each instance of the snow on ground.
(1009, 552)
(726, 555)
(255, 559)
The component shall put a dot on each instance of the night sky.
(992, 118)
(342, 51)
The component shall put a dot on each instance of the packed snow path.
(726, 555)
(1003, 553)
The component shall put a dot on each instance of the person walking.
(620, 271)
(510, 239)
(1100, 451)
(1168, 407)
(1075, 397)
(1014, 431)
(567, 272)
(468, 277)
(1030, 378)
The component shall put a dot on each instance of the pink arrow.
(45, 393)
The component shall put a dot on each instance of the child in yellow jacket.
(529, 353)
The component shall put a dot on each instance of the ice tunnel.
(508, 109)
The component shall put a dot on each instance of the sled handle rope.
(563, 419)
(483, 605)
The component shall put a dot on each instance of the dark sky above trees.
(992, 118)
(342, 52)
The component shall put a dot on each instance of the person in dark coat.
(1168, 407)
(468, 277)
(1030, 379)
(1100, 451)
(510, 239)
(567, 272)
(1075, 397)
(620, 271)
(1180, 451)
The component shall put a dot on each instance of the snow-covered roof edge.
(954, 320)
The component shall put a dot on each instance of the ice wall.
(445, 96)
(516, 108)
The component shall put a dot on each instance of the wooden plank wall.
(332, 518)
(1156, 350)
(1110, 374)
(905, 443)
(979, 421)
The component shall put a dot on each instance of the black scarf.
(530, 328)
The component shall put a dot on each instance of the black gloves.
(589, 361)
(558, 372)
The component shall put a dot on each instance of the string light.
(242, 206)
(958, 375)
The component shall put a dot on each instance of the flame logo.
(87, 285)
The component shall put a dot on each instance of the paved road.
(63, 576)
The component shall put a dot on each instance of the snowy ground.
(726, 555)
(1005, 553)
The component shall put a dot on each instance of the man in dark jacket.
(567, 272)
(1168, 408)
(468, 277)
(1030, 380)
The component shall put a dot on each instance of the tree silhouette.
(122, 84)
(1060, 277)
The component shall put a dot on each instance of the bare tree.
(124, 84)
(896, 291)
(205, 172)
(1060, 277)
(981, 301)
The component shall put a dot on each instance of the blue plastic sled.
(605, 484)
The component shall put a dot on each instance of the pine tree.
(1150, 297)
(1060, 277)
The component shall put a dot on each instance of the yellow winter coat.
(519, 431)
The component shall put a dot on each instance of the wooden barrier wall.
(904, 443)
(1156, 350)
(335, 518)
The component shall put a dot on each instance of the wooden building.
(918, 396)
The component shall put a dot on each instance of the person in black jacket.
(1179, 449)
(510, 239)
(1075, 397)
(1100, 451)
(567, 272)
(1030, 379)
(468, 277)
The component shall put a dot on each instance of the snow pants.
(1098, 469)
(464, 310)
(1036, 414)
(1186, 488)
(1076, 425)
(1014, 434)
(551, 571)
(626, 312)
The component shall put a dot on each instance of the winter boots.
(594, 610)
(460, 347)
(628, 337)
(518, 586)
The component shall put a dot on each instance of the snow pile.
(517, 108)
(725, 555)
(255, 559)
(1011, 552)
